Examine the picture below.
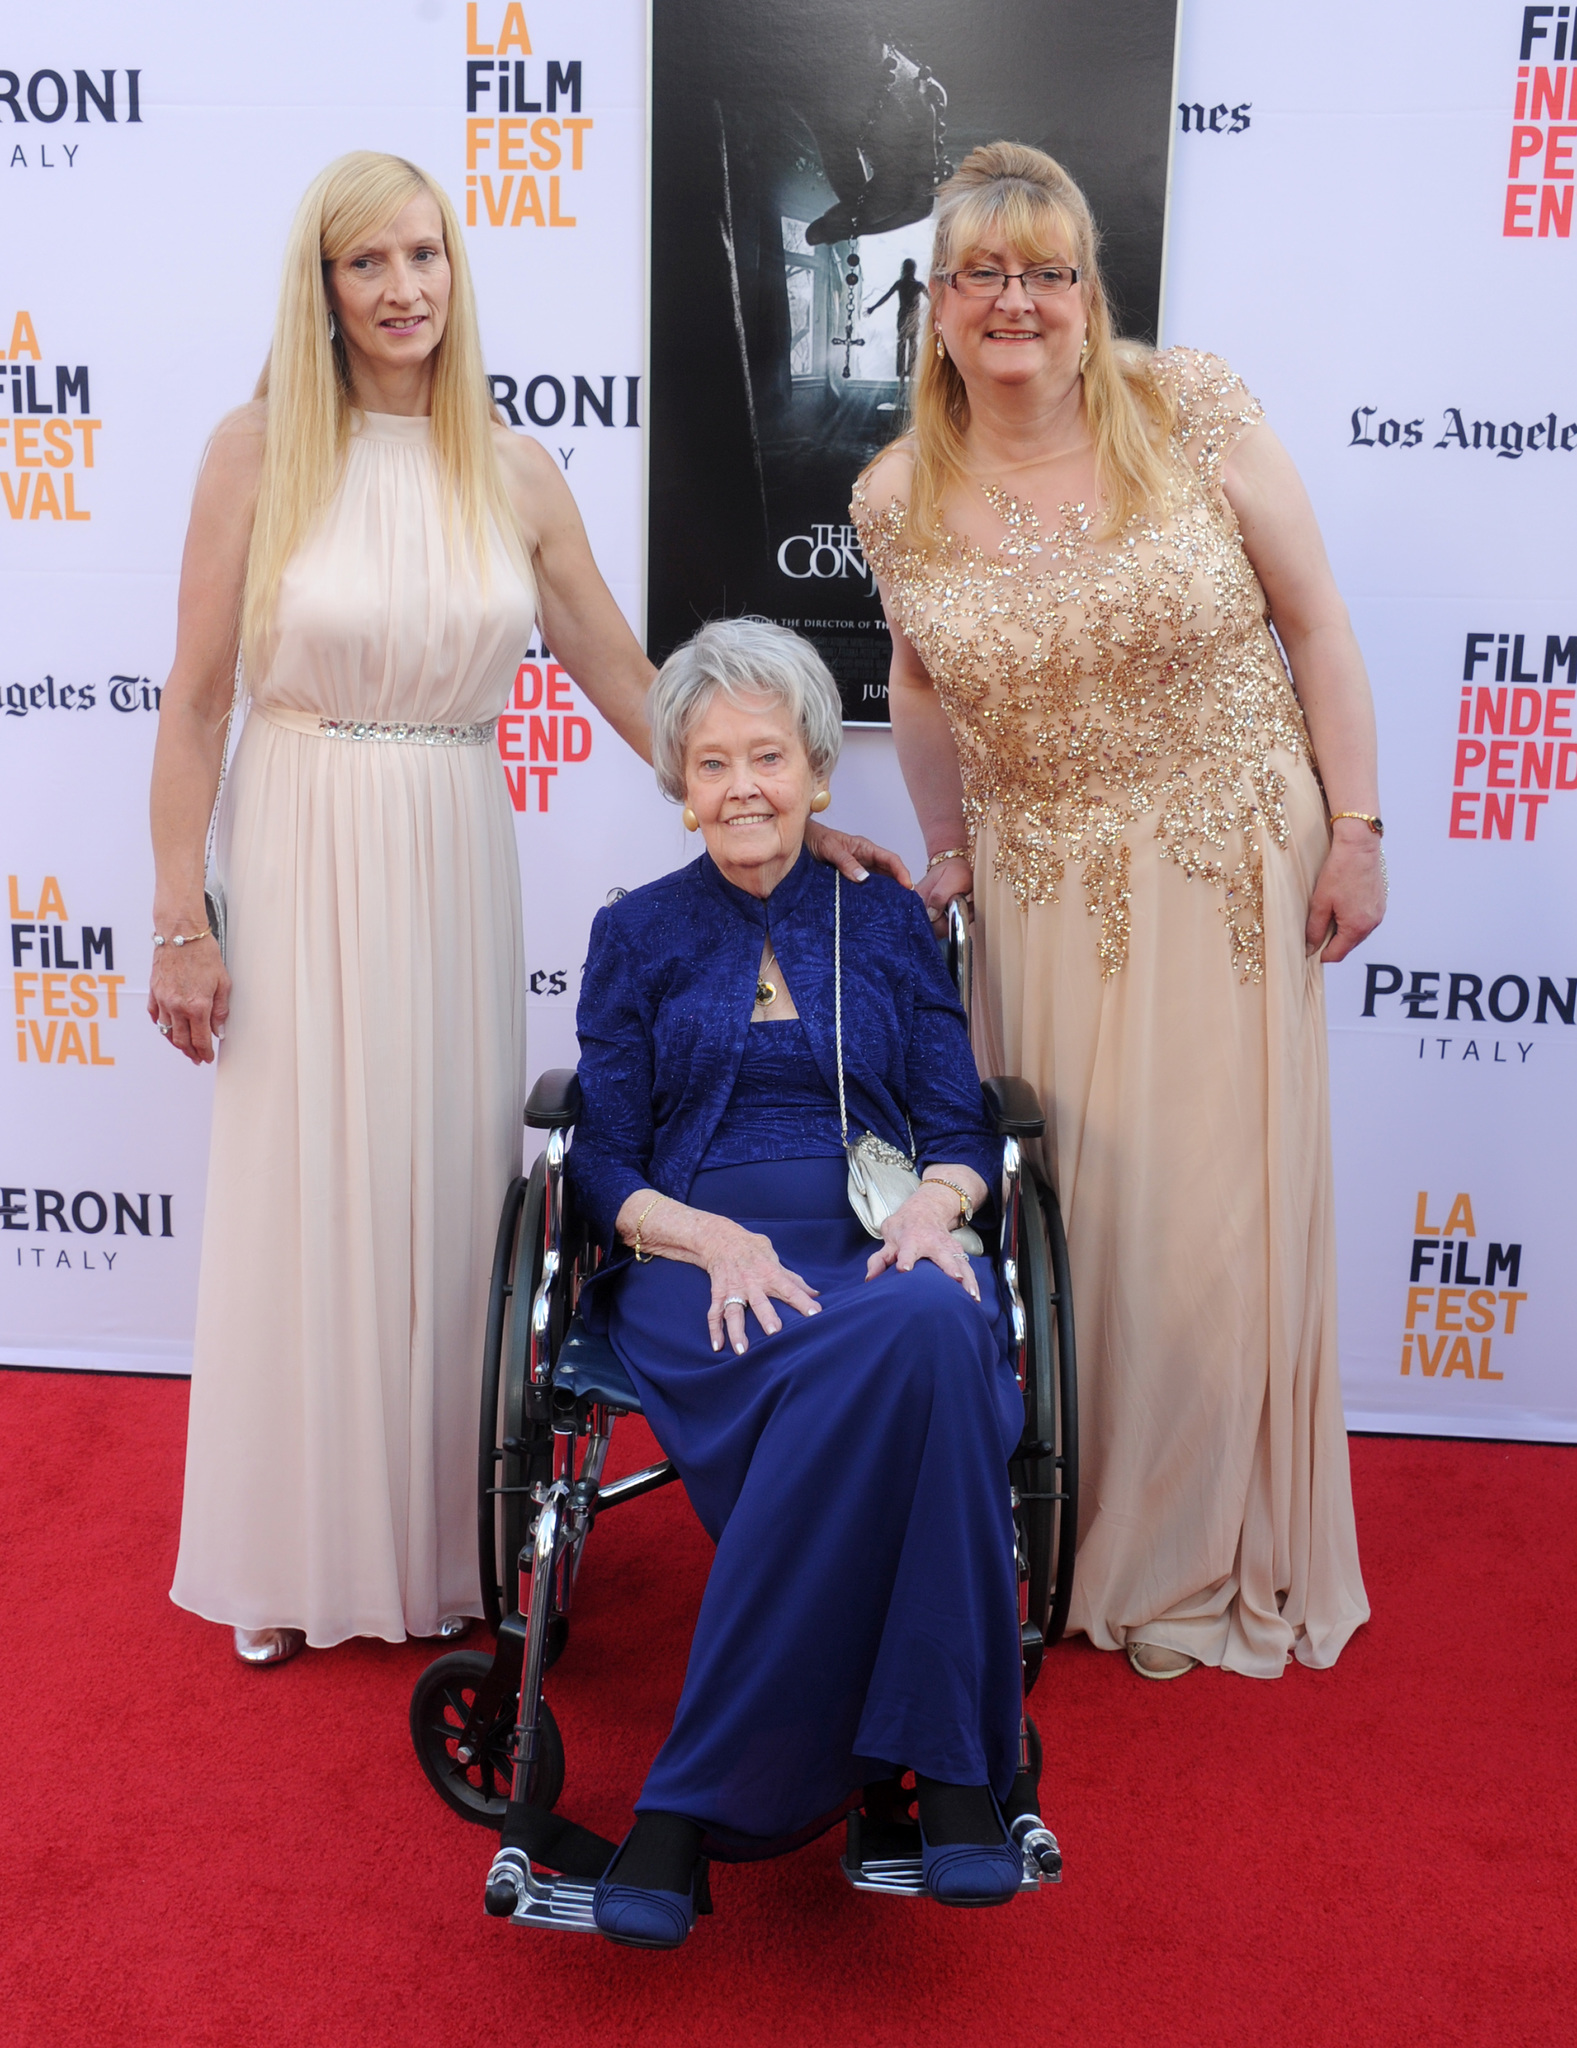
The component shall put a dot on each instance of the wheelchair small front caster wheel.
(477, 1784)
(505, 1883)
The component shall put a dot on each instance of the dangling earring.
(1084, 351)
(939, 348)
(333, 330)
(821, 799)
(691, 822)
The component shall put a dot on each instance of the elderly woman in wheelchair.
(842, 1416)
(763, 1046)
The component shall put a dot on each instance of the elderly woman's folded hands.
(744, 1269)
(922, 1228)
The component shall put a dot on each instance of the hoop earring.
(691, 822)
(821, 800)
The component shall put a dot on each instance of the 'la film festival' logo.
(523, 130)
(1543, 132)
(1454, 1314)
(58, 992)
(44, 445)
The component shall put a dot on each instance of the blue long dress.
(861, 1614)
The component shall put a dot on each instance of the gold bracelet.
(1364, 818)
(645, 1258)
(966, 1208)
(947, 853)
(190, 940)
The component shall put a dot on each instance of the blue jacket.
(665, 1005)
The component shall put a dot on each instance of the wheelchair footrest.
(884, 1856)
(540, 1897)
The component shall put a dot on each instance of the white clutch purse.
(881, 1179)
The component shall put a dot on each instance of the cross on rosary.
(851, 277)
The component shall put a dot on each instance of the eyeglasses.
(1044, 283)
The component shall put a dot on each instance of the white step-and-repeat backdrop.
(1371, 217)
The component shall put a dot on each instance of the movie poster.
(793, 177)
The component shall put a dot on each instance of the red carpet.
(192, 1852)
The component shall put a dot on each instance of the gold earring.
(691, 822)
(939, 348)
(821, 799)
(1084, 350)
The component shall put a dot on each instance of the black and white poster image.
(796, 153)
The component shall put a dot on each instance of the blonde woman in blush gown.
(1080, 544)
(387, 548)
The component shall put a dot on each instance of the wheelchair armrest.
(554, 1101)
(1015, 1107)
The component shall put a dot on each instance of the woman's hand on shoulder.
(852, 854)
(922, 1228)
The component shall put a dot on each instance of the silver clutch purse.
(881, 1179)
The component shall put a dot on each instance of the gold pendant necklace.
(767, 991)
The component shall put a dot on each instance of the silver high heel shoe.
(269, 1645)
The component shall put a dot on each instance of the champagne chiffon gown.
(369, 1091)
(1147, 828)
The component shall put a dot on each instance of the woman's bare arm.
(580, 621)
(1281, 537)
(188, 988)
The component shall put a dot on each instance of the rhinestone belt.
(402, 734)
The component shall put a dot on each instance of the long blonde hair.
(1009, 193)
(306, 381)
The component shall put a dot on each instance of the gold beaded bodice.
(1093, 683)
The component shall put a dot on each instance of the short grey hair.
(742, 658)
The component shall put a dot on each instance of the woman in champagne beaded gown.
(1081, 545)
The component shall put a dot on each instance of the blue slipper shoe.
(639, 1918)
(973, 1873)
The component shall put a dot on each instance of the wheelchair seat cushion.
(589, 1368)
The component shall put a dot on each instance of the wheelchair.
(551, 1392)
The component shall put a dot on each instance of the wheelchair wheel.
(513, 1453)
(1046, 1473)
(478, 1790)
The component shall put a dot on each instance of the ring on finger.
(166, 1029)
(736, 1301)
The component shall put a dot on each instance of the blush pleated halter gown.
(369, 1091)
